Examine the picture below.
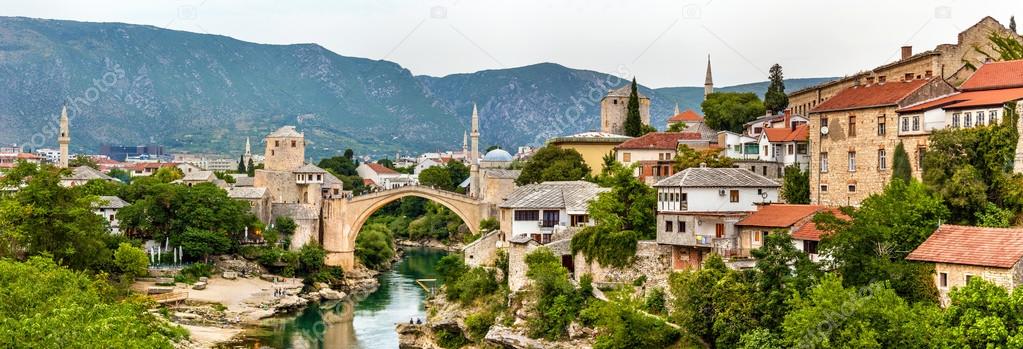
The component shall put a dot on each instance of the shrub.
(190, 274)
(557, 302)
(479, 323)
(620, 325)
(311, 258)
(655, 301)
(449, 339)
(330, 275)
(609, 248)
(450, 267)
(489, 224)
(131, 260)
(474, 284)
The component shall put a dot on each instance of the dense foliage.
(343, 167)
(728, 111)
(688, 157)
(775, 100)
(622, 324)
(633, 122)
(374, 246)
(552, 163)
(49, 306)
(446, 177)
(900, 164)
(796, 185)
(557, 300)
(621, 216)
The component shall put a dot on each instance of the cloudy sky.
(663, 43)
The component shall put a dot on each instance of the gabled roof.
(779, 215)
(246, 192)
(809, 230)
(368, 182)
(800, 134)
(868, 96)
(659, 140)
(86, 173)
(380, 169)
(309, 168)
(573, 196)
(979, 246)
(687, 116)
(199, 176)
(709, 177)
(110, 202)
(285, 131)
(995, 75)
(969, 99)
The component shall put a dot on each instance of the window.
(824, 162)
(870, 80)
(801, 148)
(668, 226)
(852, 126)
(824, 122)
(905, 124)
(916, 122)
(685, 197)
(968, 119)
(824, 188)
(293, 143)
(955, 120)
(920, 158)
(810, 246)
(766, 149)
(277, 143)
(943, 280)
(614, 101)
(733, 195)
(719, 230)
(992, 117)
(681, 226)
(852, 161)
(880, 79)
(907, 76)
(626, 157)
(968, 278)
(880, 125)
(928, 73)
(852, 188)
(756, 236)
(980, 118)
(792, 149)
(527, 215)
(882, 160)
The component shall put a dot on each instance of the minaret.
(65, 138)
(465, 146)
(248, 150)
(676, 108)
(474, 165)
(708, 84)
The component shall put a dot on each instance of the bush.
(374, 246)
(450, 268)
(192, 273)
(557, 302)
(329, 275)
(609, 248)
(474, 284)
(448, 339)
(311, 258)
(479, 323)
(655, 301)
(620, 325)
(131, 260)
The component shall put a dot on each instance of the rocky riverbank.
(431, 243)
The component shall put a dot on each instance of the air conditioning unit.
(721, 192)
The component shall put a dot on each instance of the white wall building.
(107, 207)
(541, 209)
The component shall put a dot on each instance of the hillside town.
(881, 209)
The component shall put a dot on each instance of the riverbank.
(430, 243)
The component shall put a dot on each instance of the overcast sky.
(663, 43)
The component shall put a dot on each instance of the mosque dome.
(497, 155)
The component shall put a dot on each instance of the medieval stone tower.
(65, 138)
(708, 83)
(285, 149)
(614, 108)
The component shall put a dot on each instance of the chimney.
(907, 51)
(703, 165)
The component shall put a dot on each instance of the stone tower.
(65, 138)
(708, 83)
(465, 146)
(248, 151)
(474, 163)
(614, 108)
(285, 149)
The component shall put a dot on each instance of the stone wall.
(284, 153)
(483, 251)
(517, 264)
(957, 273)
(652, 261)
(614, 110)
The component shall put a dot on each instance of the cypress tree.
(241, 165)
(252, 168)
(775, 99)
(633, 122)
(900, 164)
(1012, 23)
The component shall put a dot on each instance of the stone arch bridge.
(344, 217)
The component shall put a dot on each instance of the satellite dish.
(824, 130)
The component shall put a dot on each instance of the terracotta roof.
(865, 96)
(658, 140)
(995, 75)
(776, 134)
(809, 230)
(367, 181)
(980, 246)
(28, 156)
(969, 99)
(779, 215)
(800, 134)
(380, 169)
(687, 116)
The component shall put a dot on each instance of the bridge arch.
(343, 218)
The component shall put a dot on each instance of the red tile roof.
(809, 230)
(865, 96)
(995, 75)
(29, 156)
(368, 182)
(380, 169)
(969, 99)
(779, 215)
(980, 246)
(800, 134)
(659, 140)
(687, 116)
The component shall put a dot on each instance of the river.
(367, 323)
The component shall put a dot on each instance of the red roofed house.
(854, 135)
(383, 177)
(981, 102)
(692, 121)
(960, 253)
(793, 219)
(655, 152)
(786, 147)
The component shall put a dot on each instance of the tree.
(374, 247)
(783, 272)
(131, 260)
(168, 174)
(775, 99)
(241, 165)
(386, 163)
(678, 127)
(120, 174)
(492, 147)
(197, 243)
(349, 154)
(557, 302)
(339, 165)
(714, 304)
(437, 176)
(160, 210)
(552, 163)
(82, 160)
(251, 168)
(728, 111)
(796, 186)
(622, 216)
(1012, 23)
(49, 306)
(310, 258)
(688, 157)
(984, 315)
(620, 324)
(900, 164)
(633, 121)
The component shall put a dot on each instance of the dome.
(497, 155)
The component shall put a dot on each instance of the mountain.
(135, 84)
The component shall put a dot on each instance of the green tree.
(437, 176)
(678, 127)
(633, 121)
(251, 168)
(984, 315)
(783, 272)
(621, 324)
(714, 304)
(688, 157)
(311, 257)
(374, 247)
(48, 306)
(120, 174)
(241, 165)
(386, 163)
(775, 99)
(900, 164)
(622, 216)
(557, 302)
(131, 260)
(728, 111)
(552, 163)
(196, 243)
(82, 160)
(349, 154)
(796, 186)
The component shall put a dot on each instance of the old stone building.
(960, 253)
(854, 136)
(593, 146)
(951, 62)
(614, 107)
